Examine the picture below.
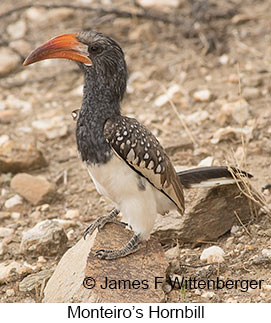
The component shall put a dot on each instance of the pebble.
(21, 46)
(45, 238)
(173, 253)
(224, 59)
(13, 201)
(7, 268)
(266, 252)
(10, 292)
(2, 248)
(238, 110)
(250, 93)
(52, 127)
(202, 95)
(35, 189)
(208, 295)
(4, 215)
(72, 214)
(197, 117)
(15, 215)
(212, 254)
(17, 29)
(6, 116)
(19, 156)
(5, 232)
(164, 98)
(235, 229)
(71, 235)
(208, 161)
(160, 3)
(30, 282)
(9, 60)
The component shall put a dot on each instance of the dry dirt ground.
(217, 47)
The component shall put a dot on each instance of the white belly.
(118, 182)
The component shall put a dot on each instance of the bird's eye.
(95, 49)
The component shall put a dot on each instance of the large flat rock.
(131, 279)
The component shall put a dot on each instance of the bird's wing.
(139, 148)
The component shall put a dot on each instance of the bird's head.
(99, 56)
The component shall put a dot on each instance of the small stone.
(212, 254)
(6, 269)
(9, 60)
(52, 127)
(5, 232)
(13, 201)
(2, 248)
(234, 78)
(224, 59)
(160, 3)
(71, 235)
(206, 162)
(208, 295)
(10, 292)
(45, 238)
(235, 229)
(35, 189)
(267, 288)
(21, 46)
(15, 215)
(173, 253)
(4, 215)
(202, 96)
(44, 207)
(266, 252)
(30, 282)
(250, 93)
(197, 117)
(19, 156)
(164, 98)
(72, 214)
(238, 110)
(6, 116)
(17, 29)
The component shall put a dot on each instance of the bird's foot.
(131, 247)
(101, 221)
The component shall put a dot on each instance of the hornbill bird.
(124, 159)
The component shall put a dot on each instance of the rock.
(250, 93)
(20, 156)
(9, 60)
(7, 116)
(2, 247)
(225, 133)
(160, 3)
(202, 95)
(35, 189)
(164, 98)
(173, 253)
(4, 215)
(208, 295)
(5, 232)
(45, 238)
(13, 201)
(79, 262)
(30, 282)
(212, 254)
(17, 29)
(10, 292)
(224, 59)
(266, 252)
(7, 270)
(197, 117)
(208, 161)
(209, 214)
(21, 46)
(72, 214)
(238, 110)
(54, 127)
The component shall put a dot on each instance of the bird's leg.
(102, 220)
(131, 247)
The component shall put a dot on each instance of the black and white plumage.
(124, 159)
